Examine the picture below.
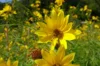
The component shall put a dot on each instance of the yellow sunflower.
(8, 63)
(55, 29)
(56, 58)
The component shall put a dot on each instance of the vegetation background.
(22, 41)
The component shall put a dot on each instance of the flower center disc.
(56, 65)
(58, 33)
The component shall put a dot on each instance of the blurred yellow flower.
(8, 63)
(56, 58)
(75, 16)
(5, 15)
(37, 1)
(85, 7)
(96, 26)
(94, 17)
(27, 22)
(59, 2)
(37, 5)
(32, 5)
(72, 7)
(1, 59)
(77, 32)
(56, 29)
(89, 10)
(14, 12)
(7, 8)
(10, 45)
(84, 27)
(36, 13)
(83, 36)
(23, 47)
(45, 11)
(98, 37)
(81, 9)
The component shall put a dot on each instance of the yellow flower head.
(56, 58)
(96, 26)
(56, 29)
(59, 2)
(45, 11)
(32, 5)
(77, 32)
(7, 8)
(94, 17)
(36, 13)
(84, 27)
(85, 7)
(8, 63)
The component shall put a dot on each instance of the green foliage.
(20, 40)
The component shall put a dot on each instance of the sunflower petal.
(69, 36)
(53, 44)
(41, 62)
(41, 24)
(15, 63)
(53, 14)
(60, 19)
(40, 33)
(60, 54)
(48, 57)
(45, 39)
(67, 59)
(8, 62)
(63, 43)
(68, 27)
(64, 23)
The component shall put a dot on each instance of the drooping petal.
(41, 62)
(69, 36)
(53, 44)
(60, 54)
(15, 63)
(8, 62)
(48, 57)
(67, 59)
(63, 43)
